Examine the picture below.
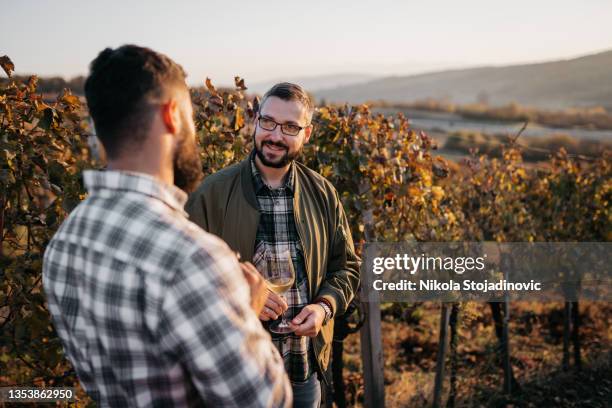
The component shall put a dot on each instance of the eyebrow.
(284, 123)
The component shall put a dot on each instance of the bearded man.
(270, 203)
(151, 310)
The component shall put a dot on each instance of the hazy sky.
(267, 39)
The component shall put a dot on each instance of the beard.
(284, 160)
(187, 164)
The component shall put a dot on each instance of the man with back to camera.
(270, 202)
(151, 310)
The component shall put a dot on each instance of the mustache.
(277, 144)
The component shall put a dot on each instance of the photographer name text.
(465, 285)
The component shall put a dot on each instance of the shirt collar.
(258, 182)
(172, 196)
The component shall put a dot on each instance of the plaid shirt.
(151, 310)
(277, 230)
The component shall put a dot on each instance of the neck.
(147, 165)
(272, 176)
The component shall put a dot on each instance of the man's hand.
(309, 321)
(259, 290)
(274, 307)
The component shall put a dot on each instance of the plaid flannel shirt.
(277, 230)
(151, 310)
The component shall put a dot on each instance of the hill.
(314, 83)
(578, 82)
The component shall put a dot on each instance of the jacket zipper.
(319, 369)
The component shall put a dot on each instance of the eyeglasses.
(288, 129)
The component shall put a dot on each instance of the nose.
(275, 134)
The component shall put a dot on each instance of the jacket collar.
(246, 179)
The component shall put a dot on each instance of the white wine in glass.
(280, 285)
(280, 276)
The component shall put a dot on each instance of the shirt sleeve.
(208, 324)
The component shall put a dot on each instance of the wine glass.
(279, 274)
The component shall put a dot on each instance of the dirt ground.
(410, 343)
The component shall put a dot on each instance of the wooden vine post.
(370, 335)
(441, 357)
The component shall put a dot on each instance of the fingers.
(267, 314)
(279, 300)
(307, 328)
(309, 321)
(274, 307)
(299, 319)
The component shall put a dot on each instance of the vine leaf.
(239, 82)
(211, 87)
(7, 65)
(238, 119)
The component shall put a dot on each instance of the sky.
(269, 39)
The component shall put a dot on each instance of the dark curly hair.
(123, 87)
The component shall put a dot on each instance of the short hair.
(290, 92)
(122, 88)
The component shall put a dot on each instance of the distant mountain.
(314, 83)
(584, 81)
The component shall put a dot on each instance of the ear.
(307, 133)
(171, 116)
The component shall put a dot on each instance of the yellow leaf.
(70, 99)
(228, 154)
(415, 192)
(238, 119)
(437, 192)
(211, 87)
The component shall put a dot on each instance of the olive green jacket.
(225, 205)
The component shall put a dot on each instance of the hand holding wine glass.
(279, 274)
(275, 305)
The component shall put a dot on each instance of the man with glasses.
(271, 202)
